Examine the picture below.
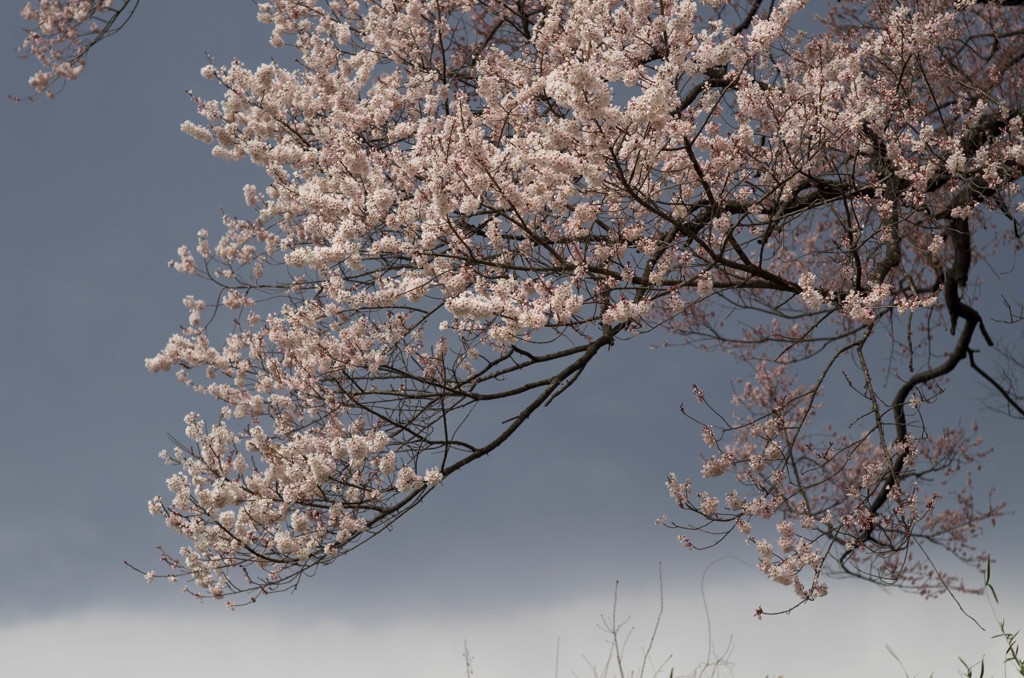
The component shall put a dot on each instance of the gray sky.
(516, 554)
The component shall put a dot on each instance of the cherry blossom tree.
(467, 201)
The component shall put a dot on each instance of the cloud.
(845, 636)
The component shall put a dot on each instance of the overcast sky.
(515, 557)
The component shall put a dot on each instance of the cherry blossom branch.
(66, 31)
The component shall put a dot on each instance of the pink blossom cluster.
(821, 490)
(64, 32)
